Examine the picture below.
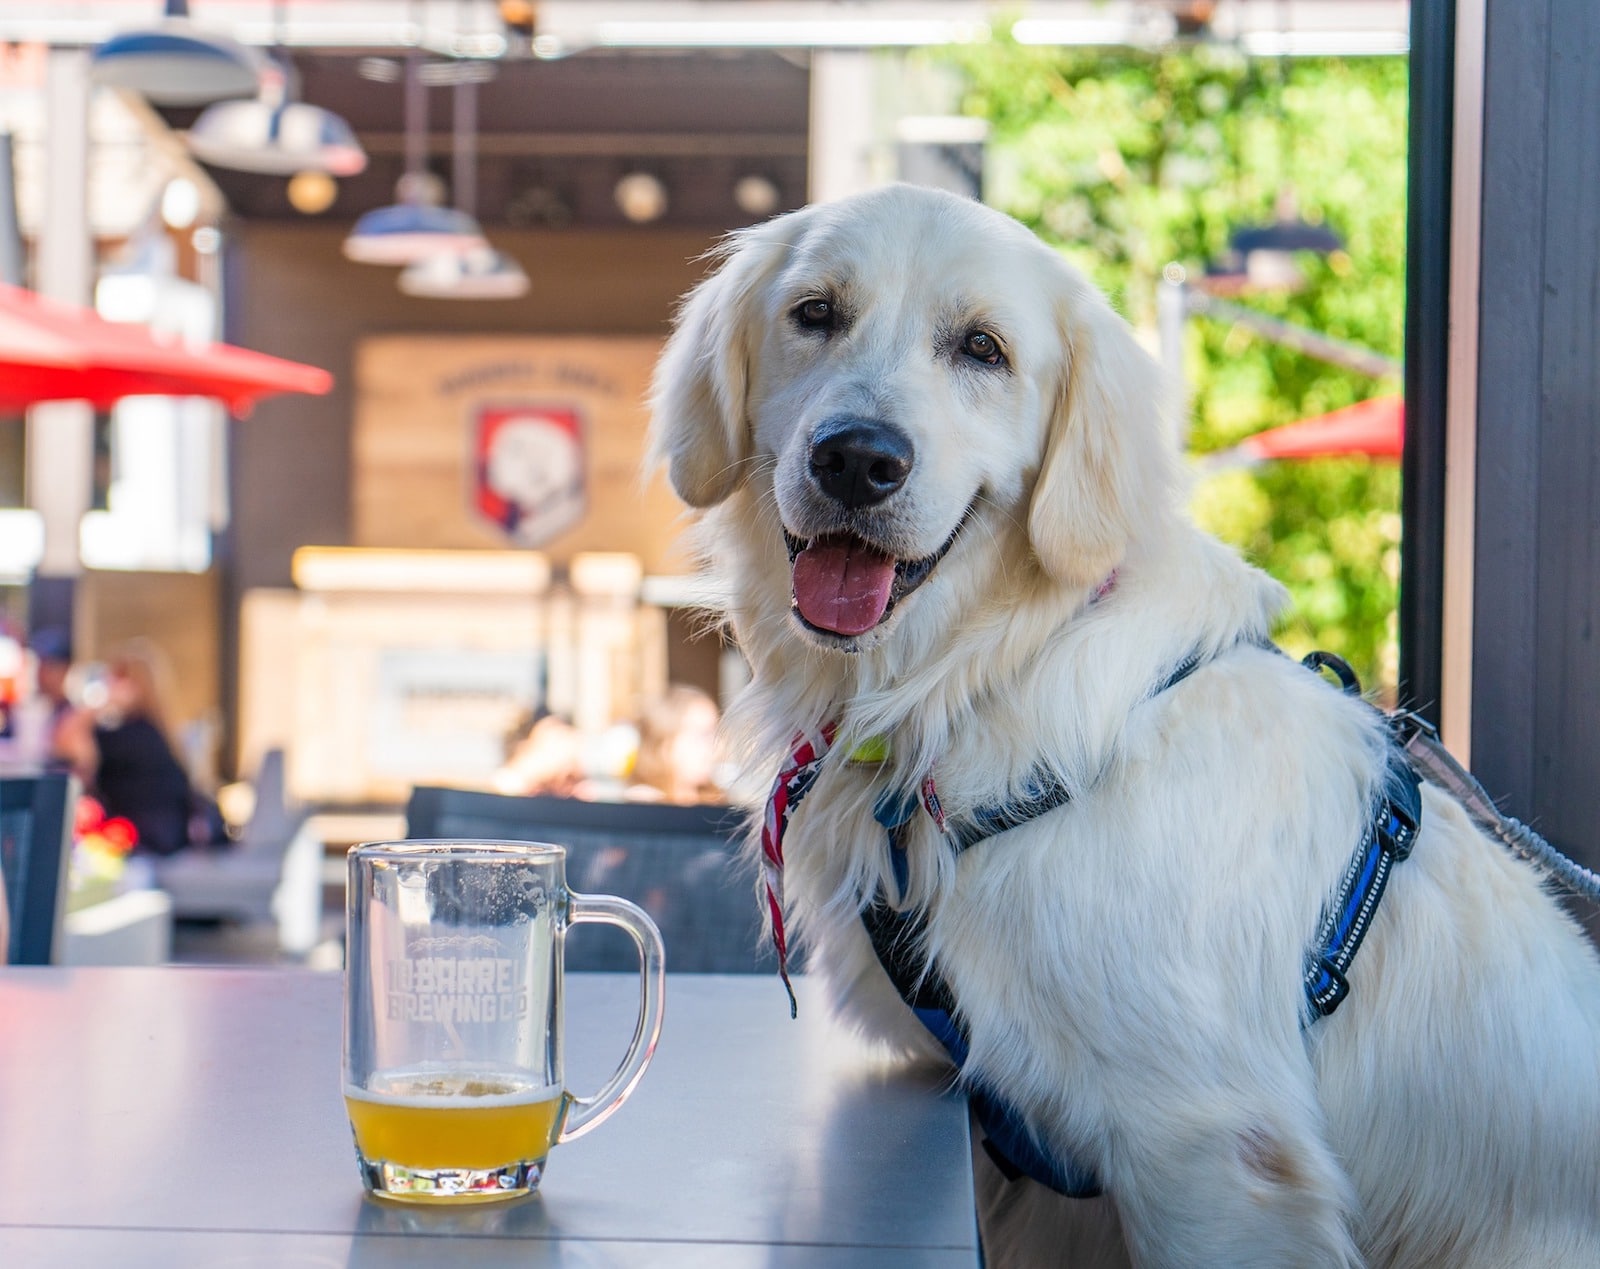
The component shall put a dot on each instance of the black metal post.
(1433, 27)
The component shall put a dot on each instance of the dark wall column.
(1536, 613)
(1422, 570)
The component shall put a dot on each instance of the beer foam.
(460, 1089)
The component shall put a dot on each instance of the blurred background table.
(184, 1117)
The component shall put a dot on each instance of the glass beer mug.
(453, 1073)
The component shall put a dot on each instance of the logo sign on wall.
(510, 441)
(530, 470)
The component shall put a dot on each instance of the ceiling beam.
(604, 144)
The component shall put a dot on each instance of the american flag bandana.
(794, 781)
(799, 773)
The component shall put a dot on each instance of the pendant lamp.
(177, 63)
(465, 273)
(412, 228)
(404, 233)
(275, 134)
(1262, 257)
(1265, 254)
(476, 273)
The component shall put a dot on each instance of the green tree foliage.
(1129, 160)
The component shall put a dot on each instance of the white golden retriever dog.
(940, 486)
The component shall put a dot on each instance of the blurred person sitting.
(42, 715)
(677, 759)
(52, 648)
(123, 753)
(543, 755)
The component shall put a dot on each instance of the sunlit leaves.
(1130, 160)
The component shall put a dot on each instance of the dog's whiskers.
(993, 536)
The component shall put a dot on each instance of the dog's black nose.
(858, 462)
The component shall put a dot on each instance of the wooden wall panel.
(1511, 330)
(1566, 761)
(292, 293)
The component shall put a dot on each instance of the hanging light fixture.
(477, 273)
(176, 63)
(277, 137)
(756, 195)
(412, 228)
(404, 233)
(1262, 257)
(277, 140)
(466, 273)
(1286, 233)
(275, 133)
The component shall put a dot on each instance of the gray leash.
(1435, 764)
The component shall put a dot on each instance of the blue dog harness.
(897, 935)
(1388, 840)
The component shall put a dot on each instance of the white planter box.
(132, 929)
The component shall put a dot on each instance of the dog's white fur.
(1129, 965)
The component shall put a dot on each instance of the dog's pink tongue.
(842, 585)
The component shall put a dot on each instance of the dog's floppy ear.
(700, 426)
(1108, 464)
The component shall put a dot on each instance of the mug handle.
(585, 1113)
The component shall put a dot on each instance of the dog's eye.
(816, 315)
(982, 346)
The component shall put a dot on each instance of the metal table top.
(180, 1117)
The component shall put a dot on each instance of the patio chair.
(273, 873)
(679, 863)
(35, 849)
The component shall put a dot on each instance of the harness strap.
(1436, 764)
(1396, 818)
(897, 937)
(1346, 920)
(1042, 791)
(897, 941)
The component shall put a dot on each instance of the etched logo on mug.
(454, 989)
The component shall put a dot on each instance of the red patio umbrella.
(1375, 427)
(51, 351)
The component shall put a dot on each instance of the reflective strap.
(1346, 920)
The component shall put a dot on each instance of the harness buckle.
(1406, 724)
(1397, 831)
(1318, 661)
(1401, 813)
(1326, 986)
